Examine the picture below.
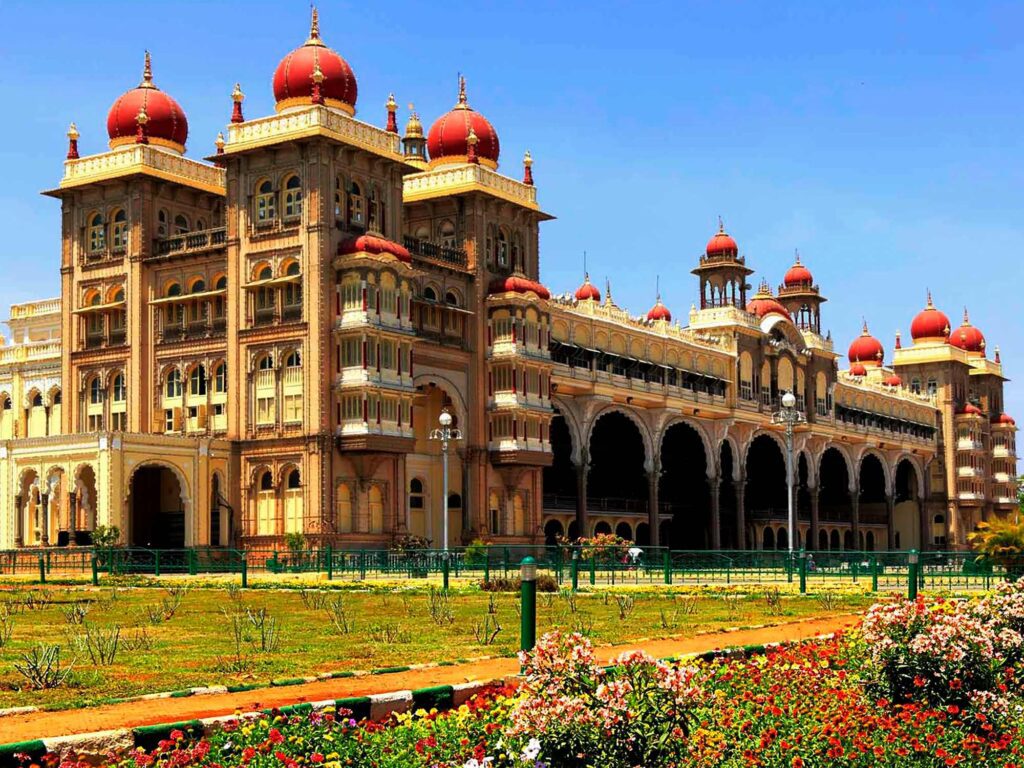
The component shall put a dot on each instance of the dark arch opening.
(559, 479)
(158, 519)
(727, 498)
(602, 527)
(823, 540)
(768, 538)
(616, 480)
(873, 508)
(642, 536)
(683, 488)
(834, 502)
(624, 531)
(552, 532)
(766, 481)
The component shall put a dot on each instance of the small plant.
(828, 601)
(626, 604)
(547, 600)
(669, 620)
(687, 604)
(476, 552)
(106, 536)
(101, 643)
(167, 607)
(6, 626)
(36, 600)
(570, 599)
(139, 640)
(487, 631)
(313, 599)
(441, 607)
(583, 624)
(545, 583)
(389, 633)
(267, 627)
(732, 606)
(492, 605)
(237, 623)
(335, 608)
(42, 668)
(773, 601)
(75, 613)
(235, 595)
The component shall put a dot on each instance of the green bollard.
(803, 572)
(668, 567)
(575, 566)
(445, 569)
(874, 574)
(330, 563)
(487, 568)
(42, 570)
(156, 562)
(593, 569)
(275, 567)
(362, 564)
(95, 572)
(191, 562)
(912, 574)
(245, 572)
(528, 604)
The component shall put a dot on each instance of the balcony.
(192, 329)
(190, 242)
(424, 250)
(291, 313)
(1002, 452)
(969, 444)
(968, 472)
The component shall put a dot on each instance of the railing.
(626, 564)
(433, 252)
(192, 242)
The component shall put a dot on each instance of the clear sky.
(882, 140)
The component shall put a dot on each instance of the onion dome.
(930, 324)
(1005, 419)
(373, 245)
(969, 410)
(721, 244)
(147, 115)
(659, 312)
(588, 291)
(798, 276)
(858, 369)
(866, 348)
(893, 381)
(448, 140)
(968, 337)
(413, 126)
(313, 73)
(517, 282)
(764, 303)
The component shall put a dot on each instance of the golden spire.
(929, 305)
(147, 72)
(237, 95)
(392, 105)
(967, 320)
(413, 128)
(527, 159)
(462, 103)
(73, 132)
(314, 29)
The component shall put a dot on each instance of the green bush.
(545, 583)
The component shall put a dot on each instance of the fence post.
(330, 562)
(42, 570)
(593, 569)
(874, 573)
(95, 572)
(191, 562)
(362, 564)
(445, 570)
(912, 574)
(487, 566)
(156, 562)
(245, 571)
(575, 566)
(48, 564)
(668, 566)
(504, 560)
(528, 606)
(273, 559)
(803, 572)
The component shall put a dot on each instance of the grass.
(201, 644)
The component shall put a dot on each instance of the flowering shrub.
(637, 712)
(601, 547)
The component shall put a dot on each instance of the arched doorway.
(157, 508)
(643, 534)
(624, 531)
(873, 508)
(766, 481)
(616, 481)
(602, 527)
(560, 478)
(727, 497)
(683, 487)
(835, 505)
(85, 504)
(552, 532)
(907, 511)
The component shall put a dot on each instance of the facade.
(259, 343)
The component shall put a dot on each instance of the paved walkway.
(38, 725)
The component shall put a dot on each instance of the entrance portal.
(158, 519)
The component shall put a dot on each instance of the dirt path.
(37, 725)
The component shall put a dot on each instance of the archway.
(727, 497)
(766, 481)
(873, 508)
(835, 505)
(624, 531)
(616, 480)
(157, 508)
(85, 505)
(552, 532)
(30, 514)
(907, 510)
(683, 487)
(602, 527)
(823, 540)
(642, 535)
(559, 479)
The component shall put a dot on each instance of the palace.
(260, 343)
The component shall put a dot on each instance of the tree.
(1001, 542)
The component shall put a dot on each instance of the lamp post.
(445, 433)
(528, 604)
(789, 417)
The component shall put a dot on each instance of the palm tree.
(1001, 542)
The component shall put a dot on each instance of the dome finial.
(929, 305)
(392, 107)
(237, 97)
(147, 72)
(317, 97)
(967, 320)
(864, 328)
(413, 128)
(462, 103)
(72, 142)
(528, 168)
(796, 252)
(140, 120)
(899, 343)
(219, 143)
(721, 225)
(997, 355)
(314, 28)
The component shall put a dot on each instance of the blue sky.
(882, 140)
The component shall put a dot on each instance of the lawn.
(171, 639)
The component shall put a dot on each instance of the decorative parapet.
(717, 317)
(859, 383)
(33, 309)
(817, 342)
(453, 179)
(928, 353)
(981, 366)
(314, 120)
(143, 159)
(25, 353)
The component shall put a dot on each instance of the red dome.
(1004, 419)
(165, 123)
(858, 369)
(721, 244)
(518, 283)
(762, 306)
(970, 410)
(967, 337)
(448, 140)
(659, 312)
(798, 275)
(587, 291)
(894, 381)
(294, 76)
(866, 349)
(374, 245)
(930, 323)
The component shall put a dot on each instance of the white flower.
(530, 751)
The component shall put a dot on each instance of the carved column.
(855, 517)
(741, 514)
(890, 507)
(44, 522)
(812, 538)
(582, 523)
(72, 516)
(716, 521)
(652, 505)
(19, 522)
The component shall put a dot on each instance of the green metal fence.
(602, 566)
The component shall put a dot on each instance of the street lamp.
(445, 434)
(789, 417)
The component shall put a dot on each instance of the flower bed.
(923, 684)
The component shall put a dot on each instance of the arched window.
(451, 298)
(197, 381)
(517, 252)
(293, 291)
(376, 503)
(502, 249)
(447, 234)
(5, 403)
(422, 233)
(97, 233)
(265, 295)
(294, 479)
(118, 389)
(265, 210)
(339, 207)
(416, 493)
(494, 512)
(266, 363)
(429, 294)
(120, 230)
(37, 400)
(56, 397)
(221, 284)
(220, 378)
(293, 502)
(343, 508)
(162, 223)
(95, 391)
(266, 481)
(181, 226)
(292, 198)
(356, 204)
(219, 302)
(173, 384)
(294, 360)
(198, 286)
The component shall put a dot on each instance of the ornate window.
(172, 387)
(502, 249)
(356, 205)
(416, 498)
(120, 230)
(292, 198)
(95, 391)
(118, 391)
(197, 381)
(293, 290)
(447, 232)
(265, 209)
(97, 234)
(220, 378)
(181, 226)
(163, 221)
